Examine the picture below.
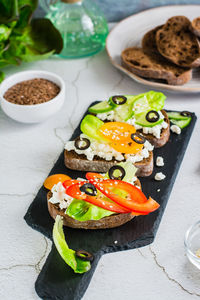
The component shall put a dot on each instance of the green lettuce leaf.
(68, 255)
(149, 101)
(83, 211)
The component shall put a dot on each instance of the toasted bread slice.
(195, 26)
(76, 161)
(150, 65)
(177, 43)
(164, 137)
(149, 44)
(112, 221)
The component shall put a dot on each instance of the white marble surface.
(28, 152)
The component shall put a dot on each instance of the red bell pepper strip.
(135, 200)
(74, 190)
(100, 201)
(94, 176)
(68, 183)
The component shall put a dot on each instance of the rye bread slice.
(80, 162)
(164, 137)
(106, 222)
(150, 65)
(195, 26)
(149, 44)
(177, 43)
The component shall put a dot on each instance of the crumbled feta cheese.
(110, 116)
(159, 176)
(148, 146)
(59, 196)
(175, 129)
(159, 161)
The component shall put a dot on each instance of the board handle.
(57, 278)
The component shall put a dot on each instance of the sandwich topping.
(143, 111)
(155, 130)
(97, 197)
(110, 141)
(108, 153)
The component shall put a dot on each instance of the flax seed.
(31, 92)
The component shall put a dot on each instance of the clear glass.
(81, 24)
(192, 244)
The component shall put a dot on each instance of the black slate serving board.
(56, 280)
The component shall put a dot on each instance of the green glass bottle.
(81, 24)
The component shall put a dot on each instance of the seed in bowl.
(33, 91)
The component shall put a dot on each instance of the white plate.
(130, 32)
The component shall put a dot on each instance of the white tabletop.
(28, 152)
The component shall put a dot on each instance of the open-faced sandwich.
(98, 202)
(144, 111)
(102, 145)
(101, 200)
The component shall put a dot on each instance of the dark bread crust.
(149, 65)
(107, 222)
(177, 43)
(195, 26)
(165, 134)
(76, 161)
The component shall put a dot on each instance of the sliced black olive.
(120, 172)
(119, 99)
(82, 143)
(185, 113)
(152, 116)
(138, 138)
(84, 255)
(89, 189)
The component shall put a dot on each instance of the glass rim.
(187, 234)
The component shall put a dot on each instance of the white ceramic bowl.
(32, 113)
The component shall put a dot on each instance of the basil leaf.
(68, 255)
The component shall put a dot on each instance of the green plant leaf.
(22, 39)
(2, 76)
(26, 9)
(68, 255)
(5, 32)
(45, 36)
(9, 11)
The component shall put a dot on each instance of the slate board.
(57, 281)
